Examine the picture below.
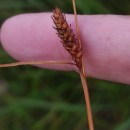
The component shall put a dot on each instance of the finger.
(105, 41)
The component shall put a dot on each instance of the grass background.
(33, 99)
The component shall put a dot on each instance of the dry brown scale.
(67, 37)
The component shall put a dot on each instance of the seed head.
(67, 37)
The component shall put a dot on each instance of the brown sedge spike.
(67, 37)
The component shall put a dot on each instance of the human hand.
(105, 42)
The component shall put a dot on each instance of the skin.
(105, 41)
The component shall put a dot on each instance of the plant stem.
(82, 75)
(76, 22)
(34, 63)
(87, 100)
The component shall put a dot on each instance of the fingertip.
(18, 33)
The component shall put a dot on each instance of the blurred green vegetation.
(33, 99)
